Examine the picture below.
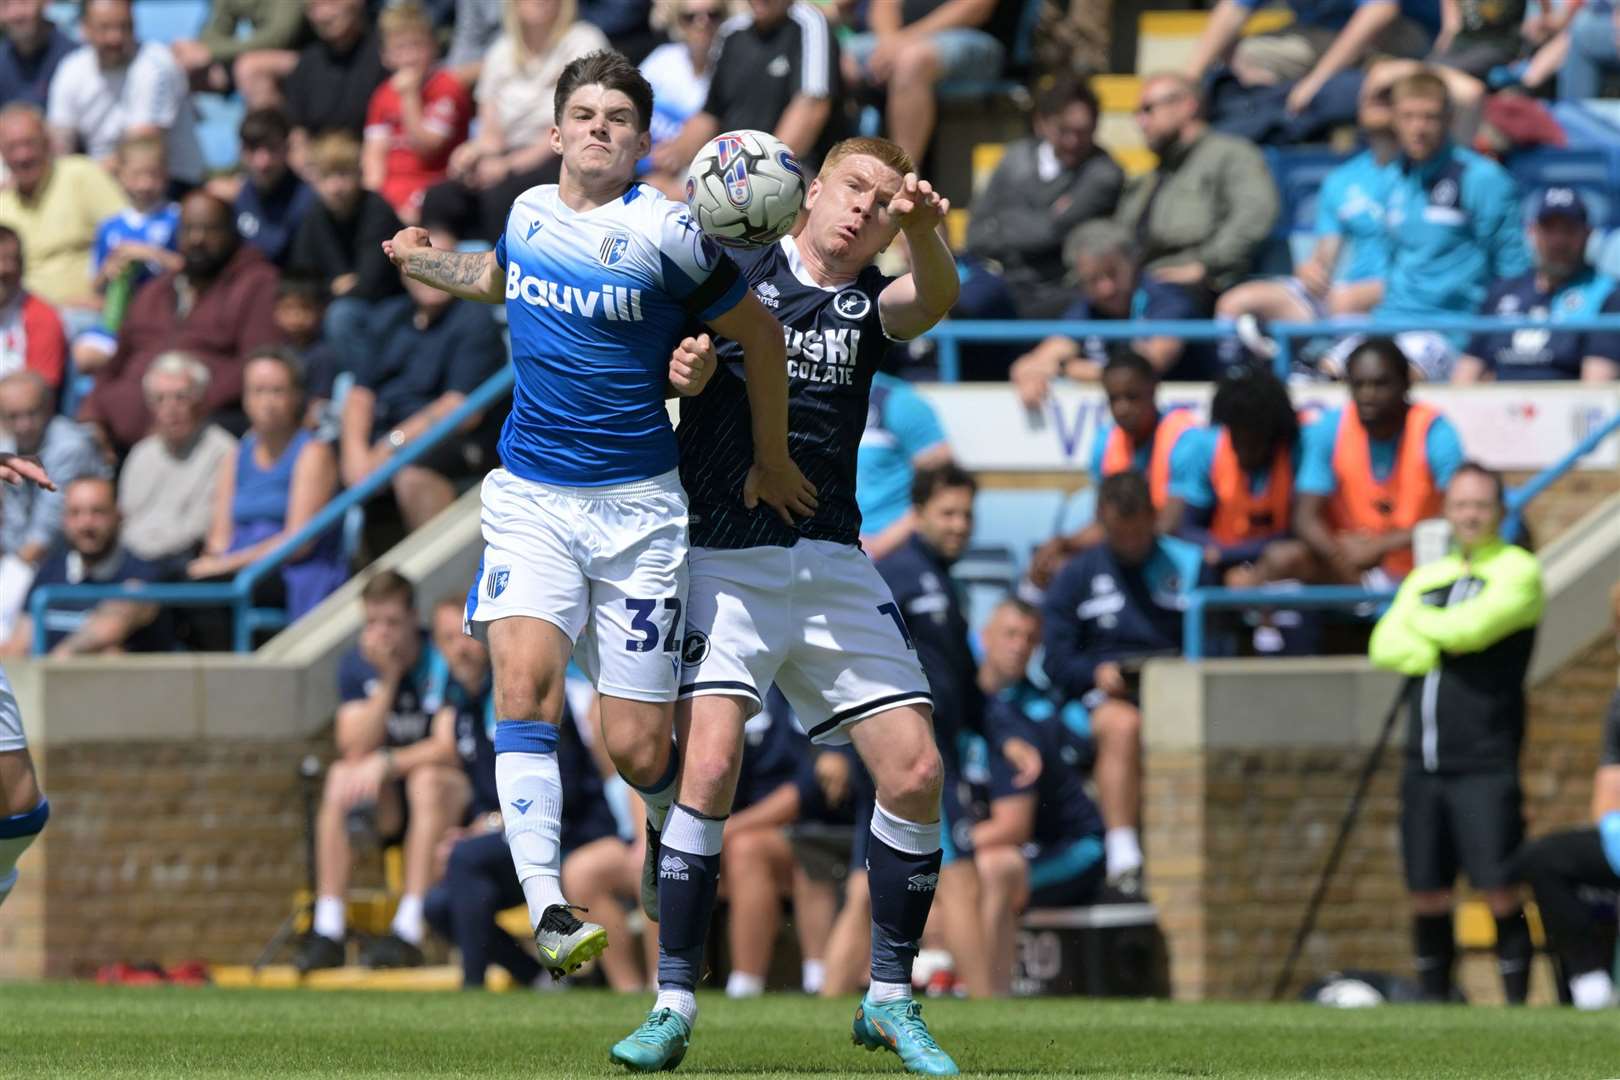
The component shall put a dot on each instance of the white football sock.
(681, 1002)
(881, 992)
(408, 925)
(530, 787)
(331, 917)
(812, 974)
(1122, 851)
(740, 984)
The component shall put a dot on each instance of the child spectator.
(300, 307)
(416, 118)
(271, 200)
(140, 237)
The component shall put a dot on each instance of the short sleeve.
(446, 108)
(1316, 455)
(156, 90)
(1327, 204)
(1099, 450)
(1445, 450)
(1190, 463)
(500, 243)
(695, 271)
(1162, 300)
(1606, 343)
(913, 421)
(376, 116)
(353, 674)
(103, 245)
(818, 54)
(59, 111)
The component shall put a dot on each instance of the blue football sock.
(688, 875)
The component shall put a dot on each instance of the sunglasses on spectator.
(687, 18)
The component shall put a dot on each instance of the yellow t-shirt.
(58, 226)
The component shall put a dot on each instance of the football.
(745, 189)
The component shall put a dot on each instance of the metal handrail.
(1202, 600)
(238, 592)
(950, 335)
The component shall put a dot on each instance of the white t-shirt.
(99, 106)
(679, 91)
(520, 95)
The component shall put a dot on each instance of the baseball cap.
(1560, 201)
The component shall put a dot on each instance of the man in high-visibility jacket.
(1462, 628)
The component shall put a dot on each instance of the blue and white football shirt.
(595, 302)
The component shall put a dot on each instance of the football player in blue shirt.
(585, 525)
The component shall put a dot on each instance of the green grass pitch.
(68, 1030)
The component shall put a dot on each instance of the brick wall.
(1236, 839)
(1561, 505)
(159, 851)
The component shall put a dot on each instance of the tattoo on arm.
(459, 272)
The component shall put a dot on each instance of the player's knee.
(430, 785)
(1117, 725)
(917, 62)
(1001, 865)
(915, 785)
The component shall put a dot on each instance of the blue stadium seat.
(218, 119)
(1023, 53)
(169, 20)
(1015, 521)
(1079, 510)
(1593, 171)
(1299, 175)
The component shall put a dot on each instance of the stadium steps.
(1165, 39)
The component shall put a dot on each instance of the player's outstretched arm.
(471, 275)
(912, 304)
(774, 479)
(16, 469)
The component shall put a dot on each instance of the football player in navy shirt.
(800, 605)
(585, 522)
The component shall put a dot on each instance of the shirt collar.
(1047, 165)
(1424, 170)
(78, 570)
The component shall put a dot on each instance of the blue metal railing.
(950, 336)
(1202, 601)
(237, 594)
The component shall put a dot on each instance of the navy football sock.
(688, 875)
(902, 871)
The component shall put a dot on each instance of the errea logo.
(617, 303)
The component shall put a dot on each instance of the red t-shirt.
(447, 109)
(31, 337)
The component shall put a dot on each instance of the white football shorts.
(606, 566)
(11, 729)
(816, 619)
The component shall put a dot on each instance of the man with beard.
(218, 308)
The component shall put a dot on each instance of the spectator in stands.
(1563, 866)
(1368, 473)
(223, 59)
(1202, 213)
(114, 87)
(395, 777)
(776, 786)
(31, 517)
(1344, 273)
(477, 24)
(913, 45)
(428, 352)
(903, 436)
(271, 201)
(479, 880)
(416, 118)
(166, 488)
(1453, 218)
(1322, 40)
(54, 204)
(627, 24)
(1232, 483)
(90, 552)
(138, 242)
(330, 86)
(778, 72)
(32, 48)
(1139, 437)
(340, 241)
(270, 486)
(1594, 52)
(1562, 285)
(515, 94)
(217, 308)
(1042, 844)
(31, 335)
(1113, 606)
(1106, 264)
(679, 72)
(1043, 188)
(300, 306)
(1462, 629)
